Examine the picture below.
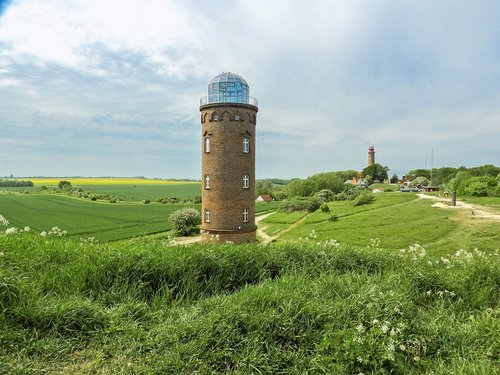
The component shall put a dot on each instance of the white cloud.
(331, 79)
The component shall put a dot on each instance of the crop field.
(83, 218)
(396, 219)
(146, 191)
(127, 189)
(106, 181)
(143, 307)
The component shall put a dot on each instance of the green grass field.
(141, 307)
(131, 192)
(396, 219)
(84, 218)
(142, 192)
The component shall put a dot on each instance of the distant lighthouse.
(228, 122)
(371, 155)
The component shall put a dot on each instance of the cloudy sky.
(112, 87)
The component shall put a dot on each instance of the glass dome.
(228, 88)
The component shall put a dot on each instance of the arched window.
(245, 215)
(246, 145)
(207, 215)
(246, 181)
(207, 145)
(207, 181)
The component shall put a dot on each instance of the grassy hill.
(143, 307)
(396, 219)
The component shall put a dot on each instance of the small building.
(264, 198)
(429, 189)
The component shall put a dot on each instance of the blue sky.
(112, 88)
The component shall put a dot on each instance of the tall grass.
(146, 307)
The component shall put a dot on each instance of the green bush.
(147, 201)
(325, 195)
(300, 204)
(477, 189)
(324, 208)
(185, 221)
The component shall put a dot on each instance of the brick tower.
(371, 155)
(228, 122)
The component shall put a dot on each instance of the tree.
(185, 221)
(394, 178)
(376, 171)
(263, 187)
(64, 185)
(419, 182)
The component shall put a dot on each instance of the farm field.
(83, 218)
(142, 307)
(146, 191)
(128, 189)
(396, 219)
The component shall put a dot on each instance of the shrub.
(325, 195)
(147, 201)
(477, 189)
(333, 218)
(300, 204)
(365, 197)
(186, 221)
(197, 200)
(324, 208)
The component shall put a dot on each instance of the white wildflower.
(384, 327)
(359, 359)
(27, 229)
(4, 221)
(43, 234)
(11, 230)
(360, 328)
(402, 347)
(375, 321)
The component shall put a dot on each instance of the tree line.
(15, 183)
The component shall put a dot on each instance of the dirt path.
(476, 211)
(267, 238)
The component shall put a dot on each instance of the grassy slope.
(398, 220)
(83, 218)
(145, 308)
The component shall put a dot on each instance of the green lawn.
(83, 218)
(397, 220)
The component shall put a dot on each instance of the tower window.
(207, 215)
(246, 145)
(215, 117)
(207, 145)
(237, 117)
(245, 215)
(246, 181)
(207, 181)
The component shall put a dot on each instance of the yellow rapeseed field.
(107, 181)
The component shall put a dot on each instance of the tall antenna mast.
(432, 162)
